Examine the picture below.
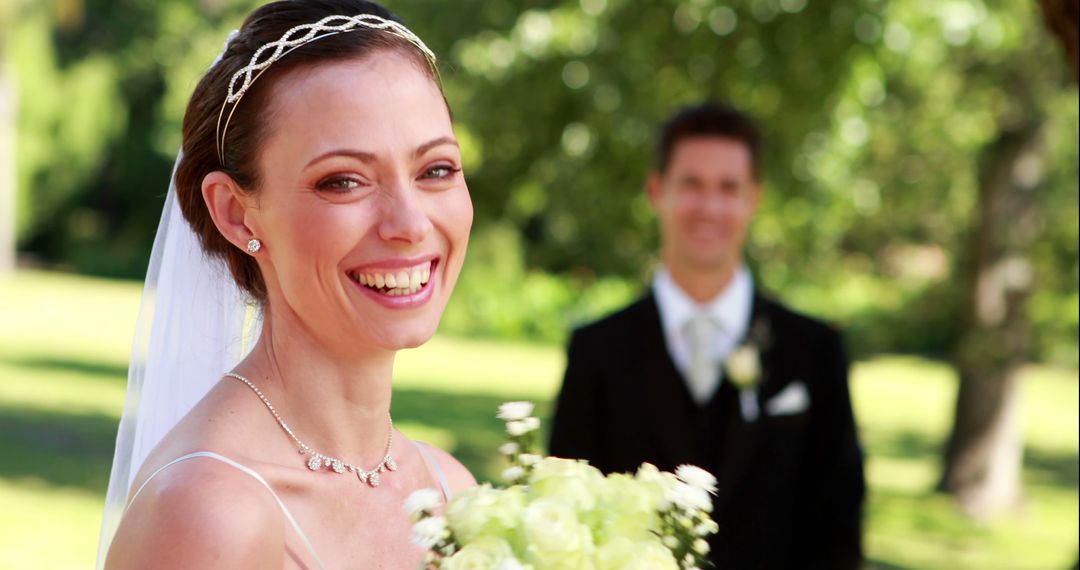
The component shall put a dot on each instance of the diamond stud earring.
(254, 245)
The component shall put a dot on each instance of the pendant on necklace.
(373, 478)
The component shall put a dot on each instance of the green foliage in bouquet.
(561, 514)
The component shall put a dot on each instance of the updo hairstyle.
(249, 125)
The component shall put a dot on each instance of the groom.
(705, 369)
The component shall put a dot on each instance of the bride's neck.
(335, 399)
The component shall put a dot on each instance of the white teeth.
(404, 282)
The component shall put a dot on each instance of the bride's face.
(362, 209)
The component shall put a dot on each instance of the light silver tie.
(703, 374)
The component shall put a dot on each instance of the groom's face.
(705, 199)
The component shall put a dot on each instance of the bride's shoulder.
(200, 513)
(457, 475)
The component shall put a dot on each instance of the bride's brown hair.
(248, 127)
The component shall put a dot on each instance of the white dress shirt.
(730, 311)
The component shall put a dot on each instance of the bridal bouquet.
(561, 514)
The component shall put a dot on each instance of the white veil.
(194, 324)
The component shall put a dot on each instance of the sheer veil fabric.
(194, 324)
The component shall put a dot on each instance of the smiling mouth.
(396, 282)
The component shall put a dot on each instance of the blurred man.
(707, 370)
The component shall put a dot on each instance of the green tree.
(921, 171)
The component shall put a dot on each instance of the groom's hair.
(709, 120)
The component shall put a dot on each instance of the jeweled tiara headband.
(294, 38)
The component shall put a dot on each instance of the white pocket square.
(793, 399)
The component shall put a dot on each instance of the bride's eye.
(339, 184)
(439, 172)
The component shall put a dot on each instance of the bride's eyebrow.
(368, 157)
(420, 150)
(360, 155)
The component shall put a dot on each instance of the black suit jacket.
(790, 487)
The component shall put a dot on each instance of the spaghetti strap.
(435, 469)
(254, 475)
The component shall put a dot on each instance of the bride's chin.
(406, 337)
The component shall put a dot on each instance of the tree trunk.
(1062, 18)
(984, 455)
(7, 170)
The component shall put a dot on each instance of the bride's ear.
(228, 206)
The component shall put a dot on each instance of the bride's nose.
(403, 217)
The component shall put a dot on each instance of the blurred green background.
(919, 152)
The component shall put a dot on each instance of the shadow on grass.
(901, 444)
(469, 417)
(75, 449)
(111, 371)
(1050, 468)
(1056, 469)
(62, 449)
(882, 565)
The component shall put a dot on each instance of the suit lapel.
(665, 392)
(741, 437)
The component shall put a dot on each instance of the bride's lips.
(398, 283)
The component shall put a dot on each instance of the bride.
(319, 166)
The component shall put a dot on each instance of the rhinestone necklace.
(318, 460)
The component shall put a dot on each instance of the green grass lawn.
(64, 342)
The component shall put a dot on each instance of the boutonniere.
(744, 369)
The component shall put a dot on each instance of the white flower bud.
(743, 366)
(697, 477)
(512, 474)
(515, 411)
(421, 501)
(426, 533)
(516, 428)
(529, 458)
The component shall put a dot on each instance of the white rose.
(553, 527)
(485, 553)
(568, 481)
(627, 508)
(421, 501)
(482, 510)
(697, 477)
(512, 564)
(515, 411)
(559, 467)
(743, 366)
(426, 533)
(658, 482)
(625, 554)
(573, 491)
